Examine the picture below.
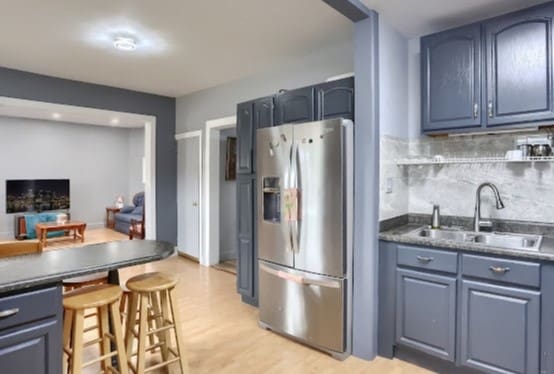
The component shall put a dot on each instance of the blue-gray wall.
(30, 86)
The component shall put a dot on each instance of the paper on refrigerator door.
(292, 195)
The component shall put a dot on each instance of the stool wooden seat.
(85, 280)
(151, 296)
(105, 299)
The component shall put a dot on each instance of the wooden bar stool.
(105, 299)
(85, 280)
(154, 291)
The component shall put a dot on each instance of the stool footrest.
(101, 358)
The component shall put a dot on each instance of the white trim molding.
(188, 134)
(210, 250)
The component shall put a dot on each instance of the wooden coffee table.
(44, 228)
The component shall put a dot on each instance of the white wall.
(393, 119)
(136, 154)
(227, 204)
(94, 158)
(195, 109)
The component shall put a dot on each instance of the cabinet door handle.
(475, 110)
(424, 259)
(9, 312)
(499, 269)
(489, 106)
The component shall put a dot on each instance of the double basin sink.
(494, 239)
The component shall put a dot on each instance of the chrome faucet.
(479, 223)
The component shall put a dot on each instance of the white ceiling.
(416, 18)
(184, 45)
(20, 108)
(188, 45)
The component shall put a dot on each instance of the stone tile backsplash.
(526, 188)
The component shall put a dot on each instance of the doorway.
(189, 177)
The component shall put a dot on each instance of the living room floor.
(222, 335)
(93, 236)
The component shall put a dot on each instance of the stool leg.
(118, 334)
(131, 322)
(77, 342)
(163, 336)
(103, 331)
(151, 310)
(178, 337)
(67, 323)
(141, 354)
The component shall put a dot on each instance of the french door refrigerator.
(304, 220)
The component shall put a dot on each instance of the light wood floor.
(94, 236)
(222, 334)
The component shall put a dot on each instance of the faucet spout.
(478, 222)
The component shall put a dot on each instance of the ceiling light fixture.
(125, 43)
(56, 115)
(115, 121)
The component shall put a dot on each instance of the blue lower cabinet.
(500, 328)
(426, 312)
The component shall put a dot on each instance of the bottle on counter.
(436, 217)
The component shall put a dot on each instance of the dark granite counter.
(395, 230)
(52, 266)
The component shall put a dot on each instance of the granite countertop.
(395, 231)
(52, 266)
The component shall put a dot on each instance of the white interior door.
(188, 196)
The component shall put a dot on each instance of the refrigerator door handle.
(299, 279)
(295, 165)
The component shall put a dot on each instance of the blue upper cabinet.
(335, 99)
(496, 73)
(451, 79)
(295, 106)
(519, 67)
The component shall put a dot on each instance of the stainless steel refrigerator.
(304, 220)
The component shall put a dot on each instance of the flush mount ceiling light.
(56, 115)
(124, 43)
(115, 121)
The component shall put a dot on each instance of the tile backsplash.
(526, 188)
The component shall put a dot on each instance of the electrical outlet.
(388, 185)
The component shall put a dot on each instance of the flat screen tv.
(36, 195)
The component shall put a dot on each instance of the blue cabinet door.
(245, 224)
(426, 312)
(335, 99)
(519, 67)
(32, 348)
(295, 106)
(245, 138)
(451, 79)
(500, 328)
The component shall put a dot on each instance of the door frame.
(189, 135)
(210, 250)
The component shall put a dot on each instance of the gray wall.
(94, 158)
(227, 204)
(135, 156)
(30, 86)
(195, 109)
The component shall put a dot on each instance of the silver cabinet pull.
(489, 106)
(499, 269)
(424, 259)
(9, 312)
(475, 110)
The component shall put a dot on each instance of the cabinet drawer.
(30, 306)
(431, 259)
(509, 271)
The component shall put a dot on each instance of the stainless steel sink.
(512, 241)
(495, 239)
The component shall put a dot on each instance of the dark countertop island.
(53, 266)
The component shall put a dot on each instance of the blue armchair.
(128, 213)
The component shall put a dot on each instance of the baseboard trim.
(188, 257)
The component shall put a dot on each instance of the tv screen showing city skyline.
(36, 195)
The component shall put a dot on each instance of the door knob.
(195, 204)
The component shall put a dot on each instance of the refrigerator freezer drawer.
(307, 306)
